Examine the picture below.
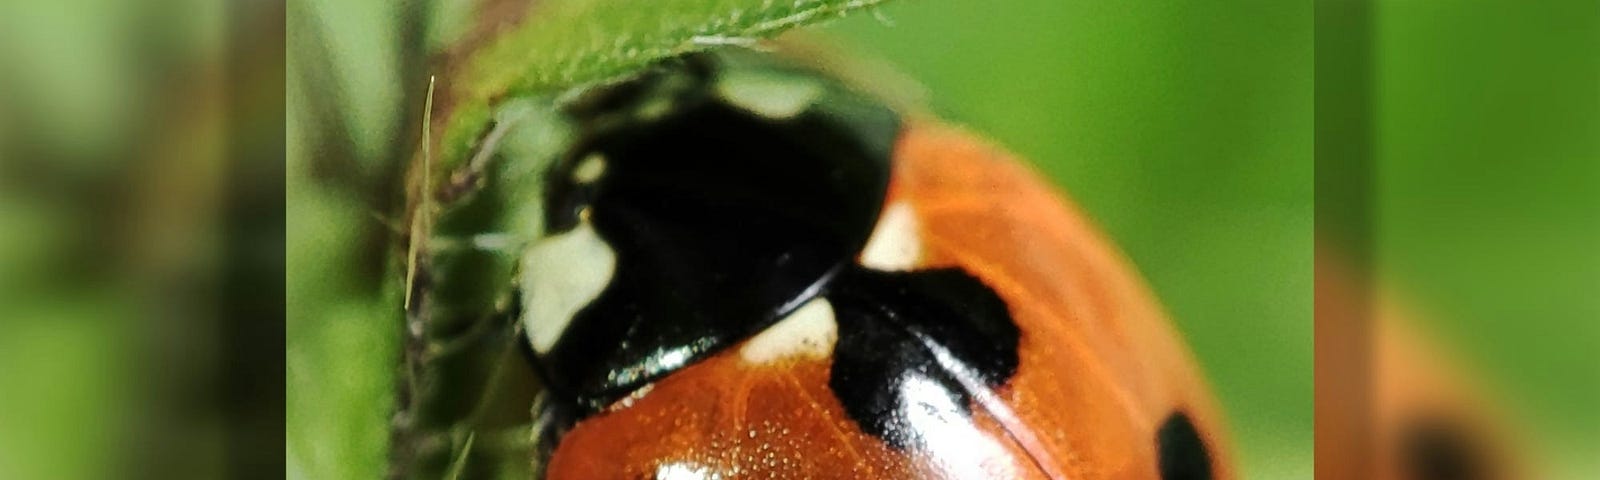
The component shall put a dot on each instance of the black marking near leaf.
(1183, 454)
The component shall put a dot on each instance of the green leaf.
(577, 42)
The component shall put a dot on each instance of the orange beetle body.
(1068, 369)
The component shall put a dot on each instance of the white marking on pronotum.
(590, 169)
(809, 331)
(560, 275)
(894, 244)
(768, 95)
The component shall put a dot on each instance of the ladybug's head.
(700, 203)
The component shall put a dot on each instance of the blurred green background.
(1487, 189)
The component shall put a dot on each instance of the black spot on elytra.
(1435, 450)
(942, 329)
(722, 221)
(1182, 453)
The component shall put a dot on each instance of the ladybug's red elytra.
(752, 270)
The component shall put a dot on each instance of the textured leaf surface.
(581, 41)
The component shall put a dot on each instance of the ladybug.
(753, 270)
